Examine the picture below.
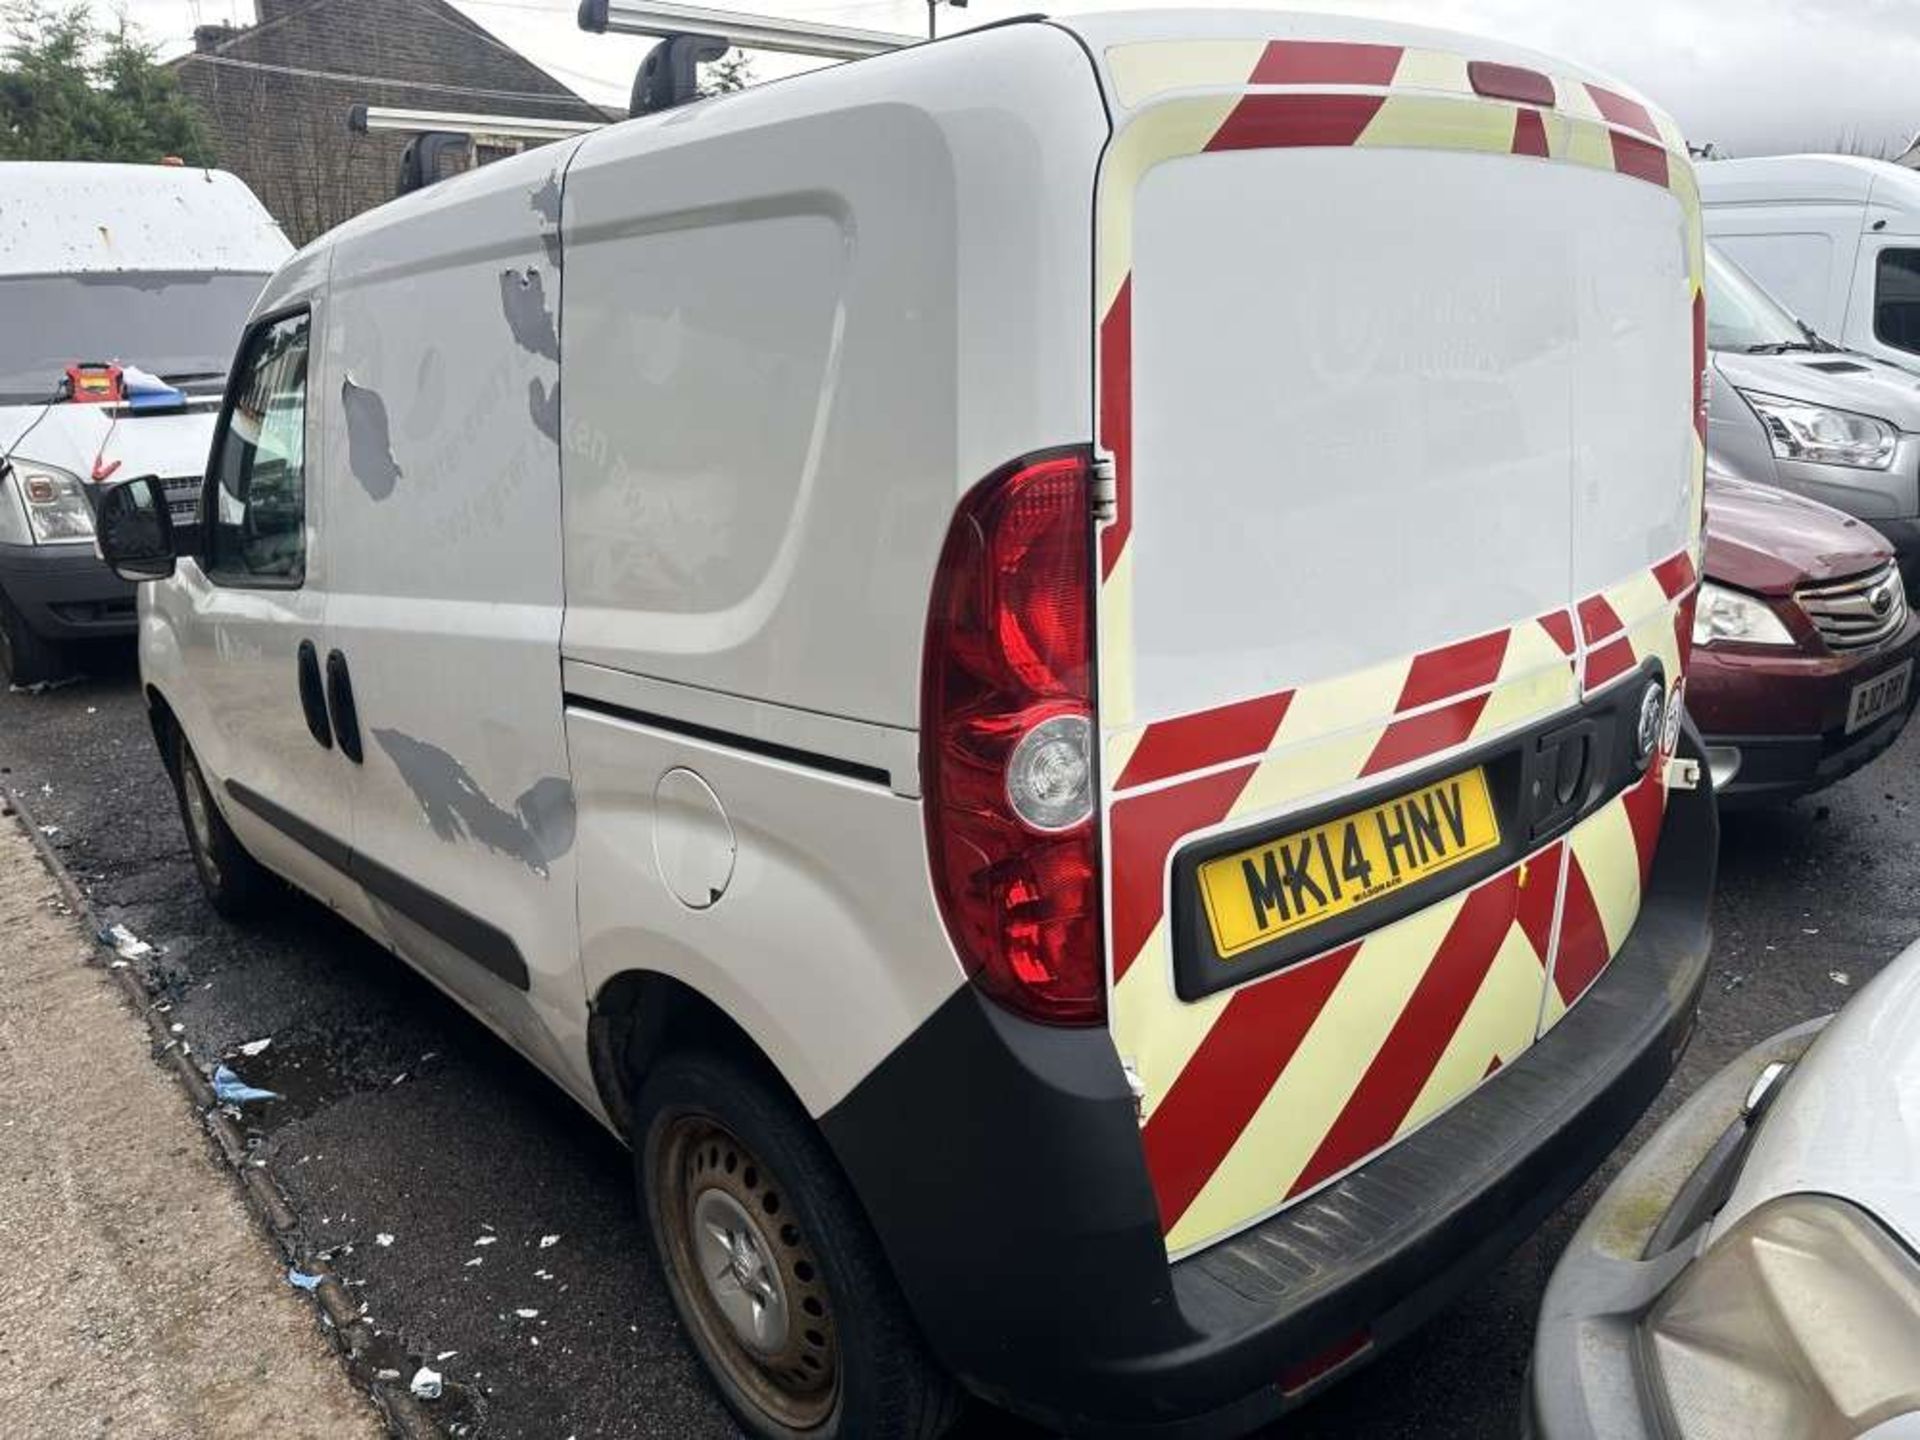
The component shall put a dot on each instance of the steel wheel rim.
(752, 1283)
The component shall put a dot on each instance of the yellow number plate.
(1286, 885)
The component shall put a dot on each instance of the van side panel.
(1399, 378)
(797, 326)
(443, 485)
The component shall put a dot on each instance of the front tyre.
(235, 882)
(772, 1267)
(27, 658)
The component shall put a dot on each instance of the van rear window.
(181, 325)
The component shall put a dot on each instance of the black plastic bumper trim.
(42, 581)
(488, 946)
(1522, 775)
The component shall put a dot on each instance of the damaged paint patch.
(523, 299)
(546, 204)
(369, 440)
(536, 832)
(543, 402)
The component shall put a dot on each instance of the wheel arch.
(639, 1016)
(165, 726)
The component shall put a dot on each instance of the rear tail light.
(1007, 736)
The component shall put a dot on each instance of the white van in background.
(1834, 238)
(654, 585)
(123, 289)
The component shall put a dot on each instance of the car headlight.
(1723, 614)
(1804, 1319)
(57, 504)
(1800, 431)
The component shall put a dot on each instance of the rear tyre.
(235, 882)
(776, 1276)
(26, 658)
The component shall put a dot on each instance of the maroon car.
(1803, 644)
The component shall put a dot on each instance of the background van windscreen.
(1740, 315)
(180, 326)
(1795, 269)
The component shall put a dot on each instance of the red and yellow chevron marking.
(1257, 1095)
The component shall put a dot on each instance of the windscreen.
(1742, 316)
(181, 326)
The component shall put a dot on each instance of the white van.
(122, 292)
(1048, 666)
(1834, 238)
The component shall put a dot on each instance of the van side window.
(1896, 299)
(257, 511)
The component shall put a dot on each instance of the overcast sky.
(1753, 76)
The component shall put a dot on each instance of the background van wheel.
(25, 657)
(773, 1269)
(234, 881)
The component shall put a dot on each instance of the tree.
(72, 89)
(732, 71)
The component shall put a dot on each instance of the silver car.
(1790, 409)
(1752, 1272)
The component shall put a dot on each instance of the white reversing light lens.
(1050, 773)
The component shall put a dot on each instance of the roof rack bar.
(366, 119)
(750, 32)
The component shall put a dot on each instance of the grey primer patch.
(546, 204)
(523, 297)
(536, 832)
(369, 441)
(544, 403)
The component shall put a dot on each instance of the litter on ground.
(230, 1089)
(254, 1047)
(126, 944)
(426, 1384)
(302, 1280)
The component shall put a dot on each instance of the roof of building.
(367, 58)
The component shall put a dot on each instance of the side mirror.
(133, 529)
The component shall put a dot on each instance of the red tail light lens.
(1007, 737)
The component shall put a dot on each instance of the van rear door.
(1398, 377)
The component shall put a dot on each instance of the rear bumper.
(66, 592)
(1001, 1165)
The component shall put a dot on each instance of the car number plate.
(1879, 696)
(1284, 886)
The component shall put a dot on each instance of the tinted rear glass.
(179, 326)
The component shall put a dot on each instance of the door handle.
(313, 700)
(346, 719)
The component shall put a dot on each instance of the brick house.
(274, 96)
